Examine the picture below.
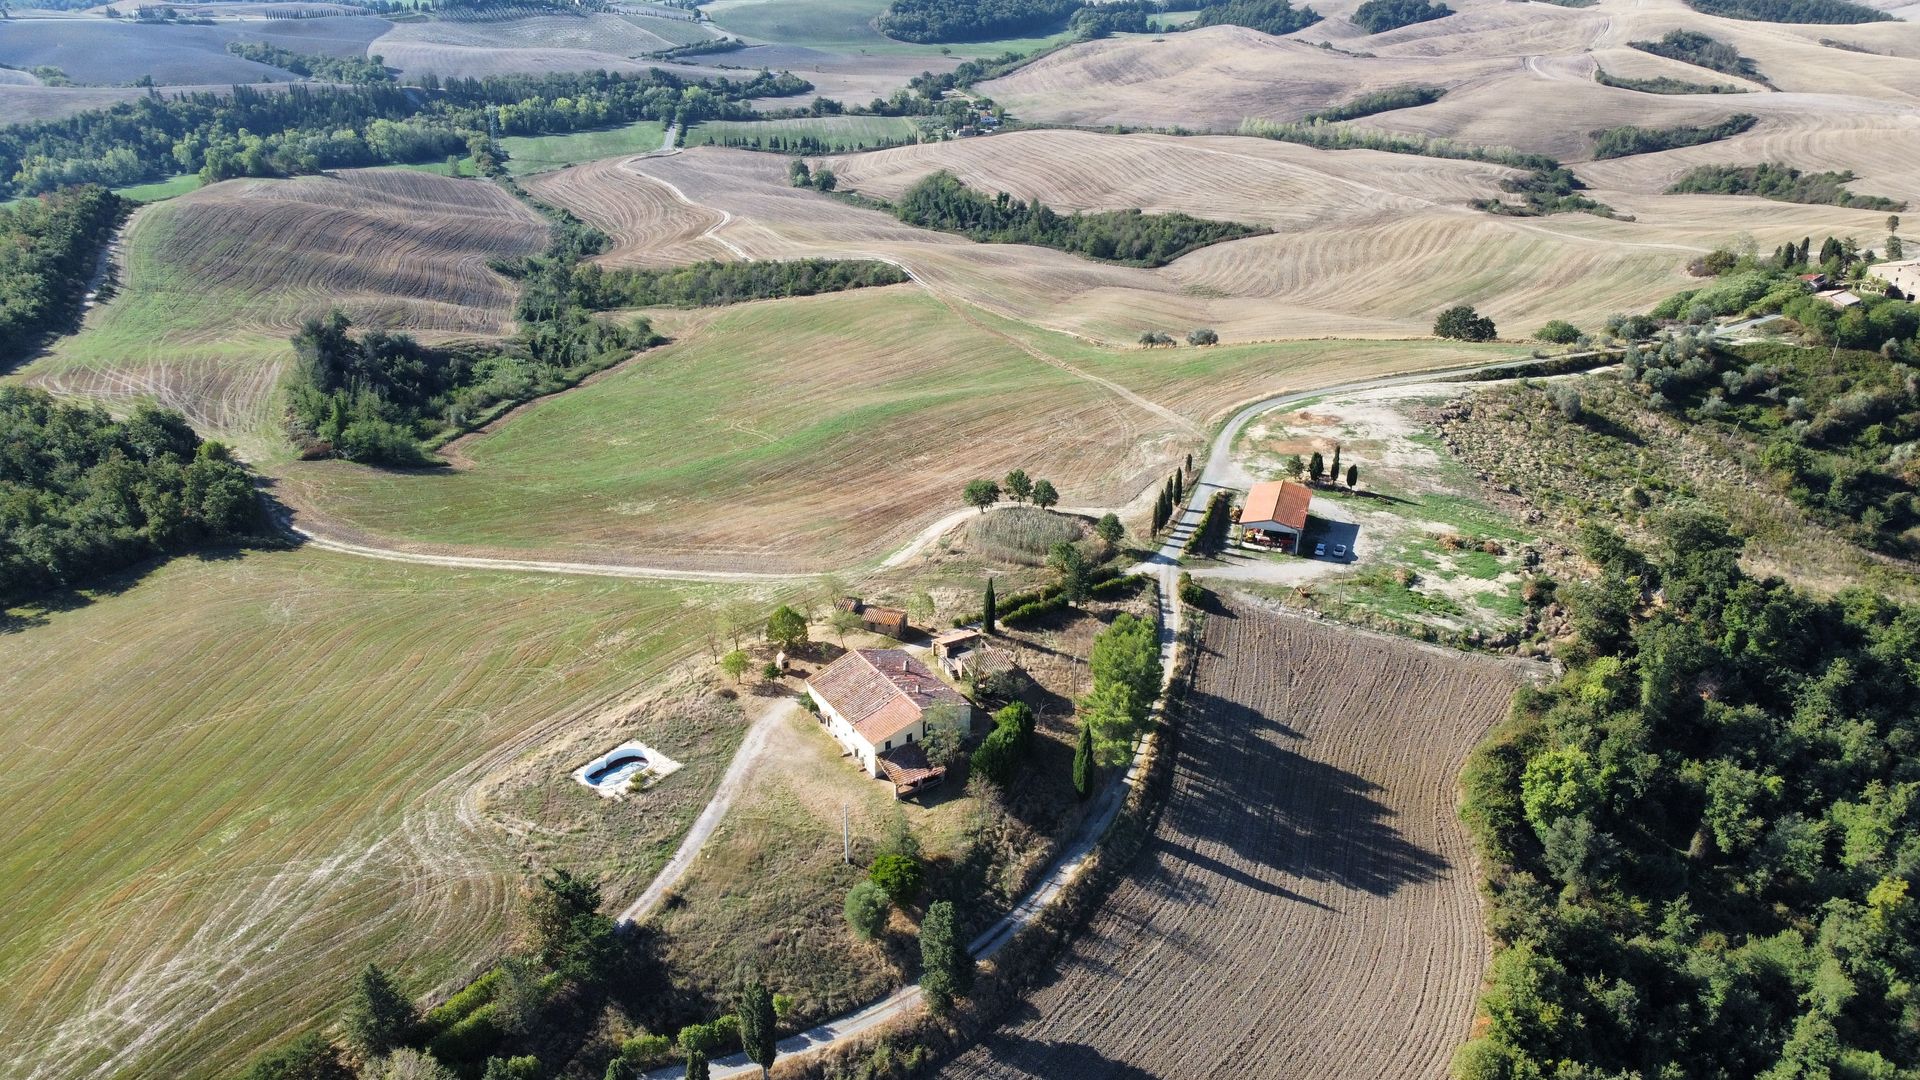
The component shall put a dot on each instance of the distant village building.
(1275, 514)
(881, 620)
(875, 703)
(1904, 276)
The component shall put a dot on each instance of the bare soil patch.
(1310, 839)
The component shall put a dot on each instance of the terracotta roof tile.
(881, 692)
(1281, 501)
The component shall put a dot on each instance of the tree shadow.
(1014, 1055)
(1240, 782)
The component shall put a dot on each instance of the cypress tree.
(756, 1026)
(1179, 488)
(1317, 467)
(1083, 763)
(1335, 471)
(697, 1066)
(987, 611)
(947, 970)
(1353, 477)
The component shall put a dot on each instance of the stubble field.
(262, 777)
(214, 282)
(1306, 906)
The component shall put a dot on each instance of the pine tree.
(987, 611)
(1083, 763)
(379, 1018)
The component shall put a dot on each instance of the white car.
(1319, 550)
(1339, 551)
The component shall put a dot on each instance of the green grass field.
(527, 154)
(840, 133)
(780, 434)
(160, 189)
(238, 779)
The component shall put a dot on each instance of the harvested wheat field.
(650, 225)
(802, 434)
(215, 281)
(233, 782)
(1310, 847)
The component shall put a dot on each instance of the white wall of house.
(863, 751)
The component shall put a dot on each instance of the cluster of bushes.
(999, 755)
(1126, 672)
(941, 201)
(1701, 50)
(1664, 85)
(1099, 583)
(1399, 97)
(711, 283)
(83, 495)
(1380, 16)
(1835, 427)
(1627, 139)
(52, 246)
(1545, 191)
(1702, 841)
(1267, 16)
(699, 48)
(1780, 182)
(1837, 12)
(345, 69)
(307, 128)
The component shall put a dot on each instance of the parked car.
(1339, 551)
(1319, 550)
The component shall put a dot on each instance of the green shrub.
(469, 1040)
(1558, 332)
(1192, 593)
(899, 875)
(866, 910)
(461, 1005)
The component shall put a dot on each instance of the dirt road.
(1306, 907)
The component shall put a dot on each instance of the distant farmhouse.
(1275, 514)
(1904, 276)
(875, 702)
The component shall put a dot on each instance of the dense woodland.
(1791, 11)
(941, 201)
(1782, 182)
(933, 21)
(52, 245)
(1703, 839)
(346, 69)
(1701, 50)
(83, 495)
(1380, 16)
(305, 128)
(1266, 16)
(1627, 139)
(711, 283)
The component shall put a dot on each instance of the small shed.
(881, 620)
(1275, 514)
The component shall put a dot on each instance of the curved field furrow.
(216, 281)
(650, 227)
(1310, 849)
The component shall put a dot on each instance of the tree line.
(1380, 16)
(1267, 16)
(1628, 139)
(1779, 182)
(710, 283)
(1702, 840)
(941, 201)
(52, 245)
(83, 495)
(1791, 11)
(346, 69)
(1664, 84)
(1389, 100)
(935, 21)
(1702, 50)
(305, 128)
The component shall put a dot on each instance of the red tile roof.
(881, 692)
(907, 765)
(1281, 501)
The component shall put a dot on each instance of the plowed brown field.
(1306, 907)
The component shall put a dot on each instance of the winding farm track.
(1307, 904)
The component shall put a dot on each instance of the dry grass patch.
(239, 779)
